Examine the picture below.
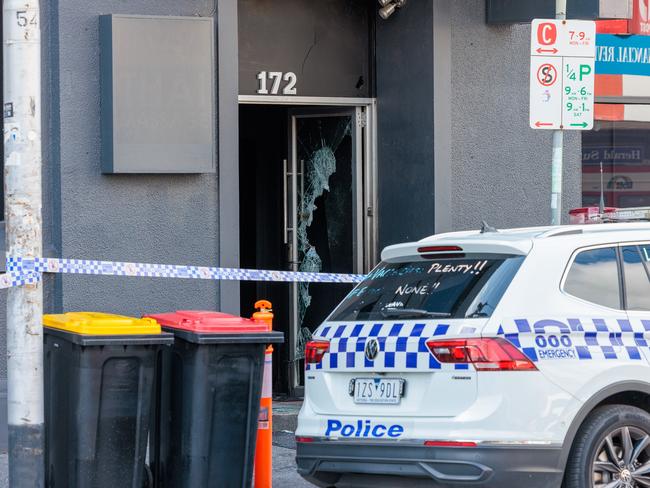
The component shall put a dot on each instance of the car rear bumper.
(336, 463)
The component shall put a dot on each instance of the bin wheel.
(148, 477)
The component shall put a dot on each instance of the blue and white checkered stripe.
(402, 346)
(112, 268)
(589, 339)
(13, 279)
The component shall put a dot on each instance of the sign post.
(561, 85)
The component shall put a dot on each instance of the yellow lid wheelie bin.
(99, 377)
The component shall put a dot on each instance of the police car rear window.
(449, 286)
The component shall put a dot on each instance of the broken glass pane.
(325, 223)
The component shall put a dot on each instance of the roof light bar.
(593, 215)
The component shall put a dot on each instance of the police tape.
(13, 279)
(30, 268)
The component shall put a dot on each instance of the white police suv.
(516, 358)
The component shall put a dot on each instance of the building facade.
(334, 133)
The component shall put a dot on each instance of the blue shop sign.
(622, 55)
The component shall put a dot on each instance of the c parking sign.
(562, 74)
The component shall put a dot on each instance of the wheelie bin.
(99, 378)
(209, 388)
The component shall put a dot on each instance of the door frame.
(369, 113)
(366, 114)
(296, 172)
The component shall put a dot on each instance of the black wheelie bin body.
(209, 386)
(99, 378)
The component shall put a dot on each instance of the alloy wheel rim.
(622, 459)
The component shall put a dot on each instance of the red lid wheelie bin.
(209, 387)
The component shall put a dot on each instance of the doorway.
(305, 205)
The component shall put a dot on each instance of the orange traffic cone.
(264, 446)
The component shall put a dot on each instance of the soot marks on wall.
(324, 44)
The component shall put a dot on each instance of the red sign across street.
(641, 21)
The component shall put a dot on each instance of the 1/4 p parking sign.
(562, 56)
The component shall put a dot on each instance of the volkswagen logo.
(372, 349)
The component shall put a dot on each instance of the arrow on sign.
(540, 50)
(543, 124)
(583, 125)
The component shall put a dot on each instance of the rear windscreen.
(454, 286)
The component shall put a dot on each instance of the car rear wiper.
(411, 312)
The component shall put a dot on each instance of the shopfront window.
(623, 149)
(620, 139)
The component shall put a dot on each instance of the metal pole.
(23, 200)
(556, 178)
(558, 146)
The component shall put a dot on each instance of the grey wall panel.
(157, 218)
(228, 151)
(442, 109)
(157, 80)
(405, 124)
(324, 42)
(506, 11)
(500, 167)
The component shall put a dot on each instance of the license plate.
(378, 390)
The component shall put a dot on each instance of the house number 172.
(269, 82)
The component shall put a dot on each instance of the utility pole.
(558, 146)
(23, 201)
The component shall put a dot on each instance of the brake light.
(315, 350)
(486, 354)
(427, 249)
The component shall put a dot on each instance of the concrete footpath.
(285, 417)
(284, 449)
(284, 462)
(284, 466)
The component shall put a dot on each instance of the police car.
(513, 358)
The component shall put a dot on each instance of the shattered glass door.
(323, 228)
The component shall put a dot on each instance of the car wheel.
(611, 450)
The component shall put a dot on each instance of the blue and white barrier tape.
(12, 279)
(26, 266)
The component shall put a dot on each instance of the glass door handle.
(301, 212)
(285, 201)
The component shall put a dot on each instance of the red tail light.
(304, 439)
(450, 444)
(315, 350)
(489, 354)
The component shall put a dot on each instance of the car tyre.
(612, 444)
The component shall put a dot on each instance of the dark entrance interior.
(324, 141)
(263, 145)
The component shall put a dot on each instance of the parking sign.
(562, 74)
